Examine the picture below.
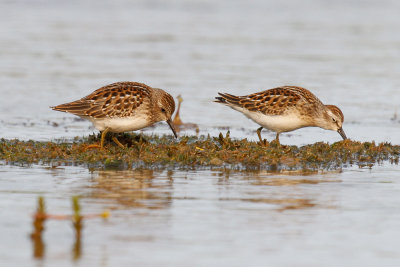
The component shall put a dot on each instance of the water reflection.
(151, 189)
(208, 209)
(288, 178)
(293, 192)
(39, 246)
(134, 188)
(38, 228)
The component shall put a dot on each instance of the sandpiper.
(178, 123)
(122, 107)
(177, 120)
(284, 109)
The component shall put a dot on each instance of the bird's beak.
(172, 127)
(342, 134)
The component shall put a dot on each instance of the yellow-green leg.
(277, 139)
(259, 134)
(103, 136)
(117, 142)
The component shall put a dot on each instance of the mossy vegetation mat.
(191, 152)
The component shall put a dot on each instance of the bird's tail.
(76, 107)
(225, 98)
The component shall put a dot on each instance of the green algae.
(191, 152)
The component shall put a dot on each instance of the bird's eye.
(162, 110)
(333, 119)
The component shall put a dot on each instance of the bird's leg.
(262, 142)
(259, 133)
(277, 140)
(103, 136)
(117, 142)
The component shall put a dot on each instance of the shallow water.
(346, 52)
(208, 218)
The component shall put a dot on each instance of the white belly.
(119, 125)
(276, 123)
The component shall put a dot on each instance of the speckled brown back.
(119, 99)
(274, 101)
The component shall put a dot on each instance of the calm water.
(208, 218)
(346, 52)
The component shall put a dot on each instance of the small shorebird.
(284, 109)
(122, 107)
(178, 123)
(177, 120)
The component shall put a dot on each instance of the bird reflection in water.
(264, 180)
(134, 188)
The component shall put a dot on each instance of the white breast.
(276, 123)
(119, 125)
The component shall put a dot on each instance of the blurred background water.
(346, 52)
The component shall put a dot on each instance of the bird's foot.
(118, 142)
(96, 146)
(276, 143)
(263, 143)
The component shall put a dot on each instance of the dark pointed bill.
(172, 127)
(342, 134)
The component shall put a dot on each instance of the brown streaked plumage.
(285, 109)
(123, 106)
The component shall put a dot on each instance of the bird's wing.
(274, 101)
(118, 99)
